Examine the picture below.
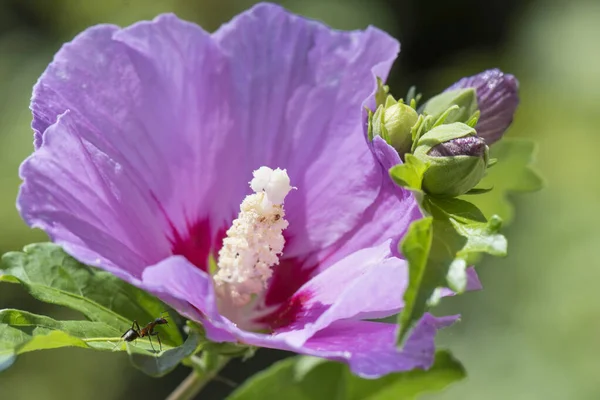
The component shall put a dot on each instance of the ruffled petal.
(366, 284)
(146, 131)
(369, 348)
(298, 92)
(191, 292)
(498, 98)
(387, 218)
(73, 192)
(179, 113)
(185, 100)
(392, 212)
(358, 286)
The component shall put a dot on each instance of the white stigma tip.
(274, 183)
(255, 239)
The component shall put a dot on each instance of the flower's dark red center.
(197, 243)
(283, 294)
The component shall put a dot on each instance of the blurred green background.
(533, 332)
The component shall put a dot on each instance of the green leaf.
(438, 250)
(299, 378)
(512, 174)
(155, 366)
(309, 378)
(52, 276)
(416, 247)
(410, 174)
(22, 332)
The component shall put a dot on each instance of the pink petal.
(299, 89)
(370, 349)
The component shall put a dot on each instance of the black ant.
(135, 332)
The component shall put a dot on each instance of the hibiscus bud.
(465, 99)
(457, 159)
(393, 122)
(497, 96)
(464, 146)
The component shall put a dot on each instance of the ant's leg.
(136, 325)
(151, 345)
(158, 338)
(118, 343)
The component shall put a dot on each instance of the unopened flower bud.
(463, 146)
(464, 98)
(457, 159)
(393, 122)
(497, 97)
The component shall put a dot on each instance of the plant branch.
(195, 382)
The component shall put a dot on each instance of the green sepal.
(474, 119)
(390, 101)
(450, 176)
(392, 120)
(442, 134)
(465, 99)
(417, 131)
(492, 162)
(453, 176)
(444, 117)
(410, 174)
(369, 124)
(381, 94)
(377, 125)
(412, 97)
(479, 191)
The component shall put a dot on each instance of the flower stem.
(195, 382)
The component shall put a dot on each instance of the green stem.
(195, 382)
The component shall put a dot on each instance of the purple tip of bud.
(498, 98)
(465, 146)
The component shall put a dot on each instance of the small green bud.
(465, 99)
(457, 159)
(393, 122)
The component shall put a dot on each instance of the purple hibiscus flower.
(145, 141)
(497, 97)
